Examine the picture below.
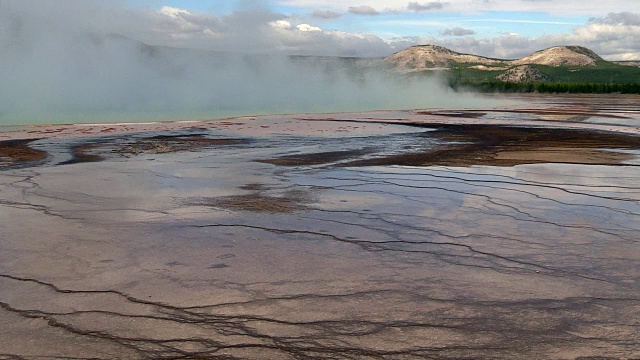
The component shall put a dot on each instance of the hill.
(561, 56)
(429, 56)
(522, 73)
(556, 64)
(433, 56)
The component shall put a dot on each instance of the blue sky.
(490, 23)
(386, 25)
(499, 28)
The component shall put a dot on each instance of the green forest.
(547, 87)
(604, 78)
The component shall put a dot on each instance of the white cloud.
(173, 12)
(623, 18)
(613, 36)
(307, 27)
(253, 31)
(611, 39)
(210, 32)
(281, 24)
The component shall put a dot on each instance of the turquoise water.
(18, 119)
(113, 117)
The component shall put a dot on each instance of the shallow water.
(288, 237)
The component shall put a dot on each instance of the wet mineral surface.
(435, 234)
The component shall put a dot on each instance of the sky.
(371, 28)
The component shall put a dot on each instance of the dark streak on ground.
(539, 112)
(492, 145)
(455, 114)
(258, 201)
(18, 153)
(83, 154)
(320, 158)
(434, 263)
(502, 329)
(164, 144)
(99, 150)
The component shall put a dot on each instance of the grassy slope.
(604, 77)
(604, 72)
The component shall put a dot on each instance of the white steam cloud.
(66, 61)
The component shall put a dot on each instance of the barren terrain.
(499, 233)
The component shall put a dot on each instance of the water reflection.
(303, 245)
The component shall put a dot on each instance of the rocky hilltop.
(429, 56)
(523, 73)
(526, 69)
(561, 56)
(433, 56)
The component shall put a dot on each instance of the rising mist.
(79, 61)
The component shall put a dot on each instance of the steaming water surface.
(76, 69)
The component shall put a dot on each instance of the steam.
(66, 61)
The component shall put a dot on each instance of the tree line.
(547, 87)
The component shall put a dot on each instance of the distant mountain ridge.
(430, 56)
(561, 56)
(541, 65)
(433, 56)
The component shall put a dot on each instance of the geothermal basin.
(505, 233)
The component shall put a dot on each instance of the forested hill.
(558, 69)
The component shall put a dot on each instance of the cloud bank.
(613, 36)
(260, 30)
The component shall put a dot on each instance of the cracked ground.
(495, 234)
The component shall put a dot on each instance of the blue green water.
(113, 117)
